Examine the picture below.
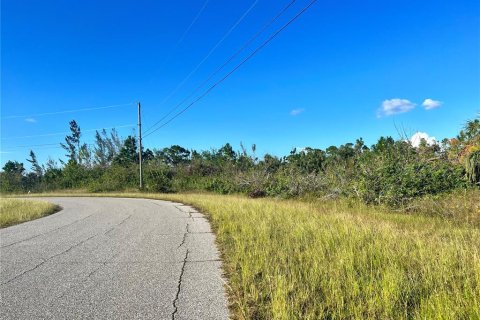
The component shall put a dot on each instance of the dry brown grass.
(14, 211)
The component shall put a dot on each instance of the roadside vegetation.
(390, 172)
(389, 231)
(14, 211)
(341, 258)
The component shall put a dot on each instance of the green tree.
(128, 154)
(309, 160)
(12, 177)
(173, 155)
(36, 168)
(106, 147)
(226, 153)
(74, 175)
(100, 149)
(13, 167)
(53, 175)
(147, 155)
(85, 155)
(72, 142)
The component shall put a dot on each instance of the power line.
(35, 145)
(192, 23)
(67, 132)
(185, 33)
(41, 147)
(237, 67)
(240, 50)
(67, 111)
(57, 145)
(209, 53)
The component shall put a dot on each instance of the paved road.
(108, 258)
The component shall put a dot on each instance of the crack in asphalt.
(102, 265)
(187, 231)
(188, 212)
(48, 259)
(118, 224)
(65, 251)
(179, 287)
(41, 234)
(93, 273)
(200, 261)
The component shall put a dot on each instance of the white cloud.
(417, 138)
(31, 120)
(395, 106)
(296, 112)
(430, 104)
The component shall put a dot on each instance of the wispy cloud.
(395, 106)
(296, 112)
(430, 104)
(419, 136)
(30, 120)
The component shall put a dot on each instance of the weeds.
(14, 211)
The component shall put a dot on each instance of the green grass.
(291, 259)
(14, 211)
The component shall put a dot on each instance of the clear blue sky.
(345, 69)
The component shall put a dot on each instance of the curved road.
(112, 258)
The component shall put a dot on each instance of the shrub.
(115, 178)
(158, 179)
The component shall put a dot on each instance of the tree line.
(391, 172)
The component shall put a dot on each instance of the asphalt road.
(111, 258)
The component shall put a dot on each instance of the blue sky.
(341, 71)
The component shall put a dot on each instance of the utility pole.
(140, 145)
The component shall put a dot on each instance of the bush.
(395, 183)
(220, 185)
(158, 180)
(10, 182)
(115, 178)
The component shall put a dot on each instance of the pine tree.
(36, 168)
(72, 142)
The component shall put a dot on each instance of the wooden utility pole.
(140, 145)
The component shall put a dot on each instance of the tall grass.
(461, 206)
(14, 211)
(291, 259)
(337, 260)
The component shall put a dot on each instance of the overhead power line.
(180, 85)
(68, 111)
(220, 68)
(67, 132)
(41, 146)
(192, 23)
(269, 39)
(35, 145)
(185, 33)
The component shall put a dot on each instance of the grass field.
(291, 259)
(337, 260)
(14, 211)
